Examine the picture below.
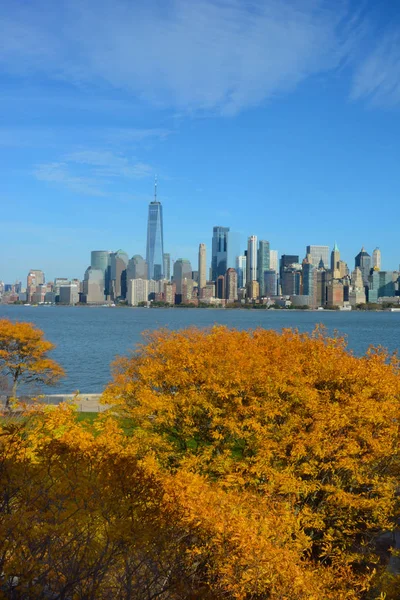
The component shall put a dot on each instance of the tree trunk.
(13, 395)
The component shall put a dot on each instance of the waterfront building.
(251, 262)
(93, 286)
(273, 260)
(335, 262)
(202, 266)
(363, 262)
(376, 259)
(241, 270)
(219, 255)
(155, 239)
(381, 284)
(231, 285)
(318, 254)
(167, 266)
(263, 264)
(118, 262)
(182, 270)
(138, 291)
(68, 294)
(270, 283)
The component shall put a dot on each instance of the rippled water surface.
(88, 338)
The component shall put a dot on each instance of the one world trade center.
(155, 239)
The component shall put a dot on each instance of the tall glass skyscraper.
(219, 256)
(155, 239)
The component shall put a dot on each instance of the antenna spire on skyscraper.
(155, 188)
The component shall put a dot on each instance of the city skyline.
(276, 119)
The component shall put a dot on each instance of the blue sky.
(276, 118)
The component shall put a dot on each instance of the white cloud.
(207, 55)
(107, 164)
(377, 78)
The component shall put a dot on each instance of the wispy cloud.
(59, 173)
(377, 78)
(207, 55)
(99, 167)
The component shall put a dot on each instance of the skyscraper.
(376, 259)
(155, 239)
(335, 262)
(262, 264)
(167, 266)
(182, 271)
(273, 260)
(219, 256)
(202, 266)
(231, 285)
(251, 265)
(319, 253)
(363, 261)
(101, 260)
(241, 270)
(137, 268)
(119, 262)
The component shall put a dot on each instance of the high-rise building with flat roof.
(263, 264)
(319, 254)
(219, 252)
(241, 270)
(376, 259)
(119, 261)
(273, 260)
(155, 239)
(202, 266)
(182, 270)
(251, 263)
(93, 286)
(167, 266)
(231, 286)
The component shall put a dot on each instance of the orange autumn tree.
(291, 417)
(82, 516)
(24, 356)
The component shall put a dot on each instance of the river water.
(87, 339)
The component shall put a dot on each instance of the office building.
(169, 293)
(357, 288)
(319, 256)
(253, 290)
(334, 293)
(118, 264)
(270, 283)
(137, 268)
(309, 277)
(263, 264)
(93, 286)
(251, 263)
(287, 261)
(101, 260)
(231, 285)
(376, 259)
(241, 270)
(363, 262)
(273, 260)
(182, 270)
(202, 266)
(69, 294)
(335, 262)
(167, 266)
(155, 239)
(219, 256)
(138, 291)
(291, 281)
(220, 287)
